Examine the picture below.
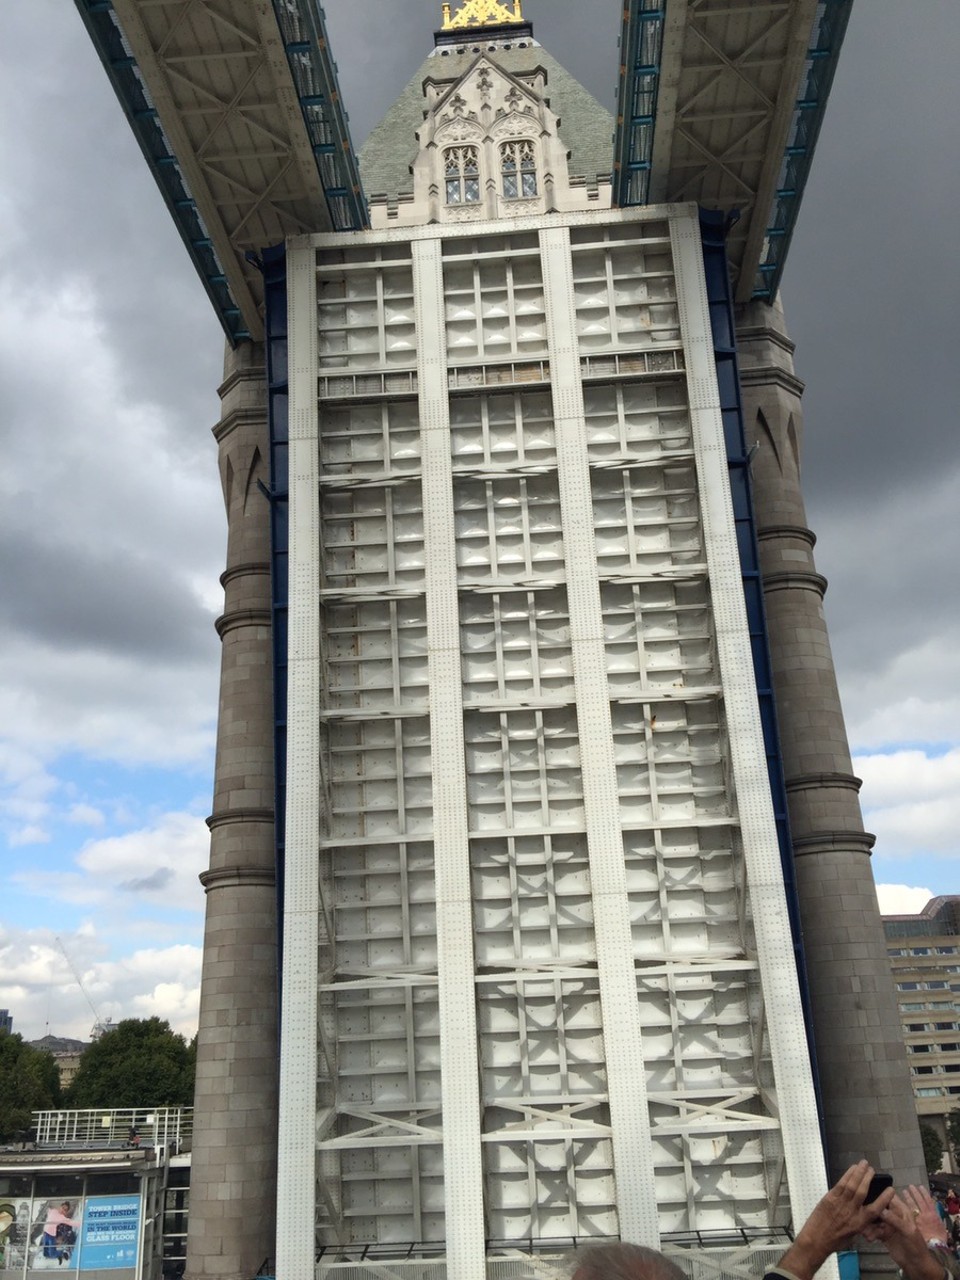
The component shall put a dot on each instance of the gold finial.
(482, 13)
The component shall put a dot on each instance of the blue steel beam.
(124, 75)
(302, 24)
(314, 75)
(641, 46)
(641, 42)
(828, 33)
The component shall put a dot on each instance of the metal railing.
(170, 1128)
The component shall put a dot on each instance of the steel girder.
(721, 102)
(237, 111)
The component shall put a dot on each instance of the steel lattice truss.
(721, 102)
(236, 109)
(526, 851)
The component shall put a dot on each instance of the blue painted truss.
(302, 27)
(828, 33)
(641, 45)
(121, 67)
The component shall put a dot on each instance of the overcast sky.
(112, 521)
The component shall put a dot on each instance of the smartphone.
(879, 1182)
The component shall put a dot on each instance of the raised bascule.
(539, 904)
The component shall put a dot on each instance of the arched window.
(518, 169)
(462, 174)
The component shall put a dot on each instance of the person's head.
(66, 1207)
(623, 1262)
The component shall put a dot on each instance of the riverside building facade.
(924, 951)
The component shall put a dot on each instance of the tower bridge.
(530, 752)
(238, 111)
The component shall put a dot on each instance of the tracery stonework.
(518, 161)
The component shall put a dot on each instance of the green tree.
(140, 1063)
(932, 1147)
(29, 1081)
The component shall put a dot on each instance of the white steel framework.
(530, 839)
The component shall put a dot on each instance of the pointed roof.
(585, 126)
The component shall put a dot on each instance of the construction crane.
(100, 1025)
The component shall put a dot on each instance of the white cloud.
(85, 815)
(911, 801)
(30, 834)
(129, 883)
(902, 899)
(163, 861)
(159, 982)
(43, 992)
(25, 790)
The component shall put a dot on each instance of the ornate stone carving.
(512, 126)
(459, 131)
(519, 208)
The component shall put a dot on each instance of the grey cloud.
(153, 883)
(874, 239)
(870, 294)
(70, 597)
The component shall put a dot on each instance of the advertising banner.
(54, 1234)
(110, 1233)
(14, 1233)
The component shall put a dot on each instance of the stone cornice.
(243, 416)
(833, 842)
(238, 878)
(815, 781)
(764, 333)
(796, 580)
(797, 531)
(765, 374)
(243, 373)
(224, 817)
(249, 568)
(242, 618)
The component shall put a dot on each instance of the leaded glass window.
(462, 175)
(518, 169)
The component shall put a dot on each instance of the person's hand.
(927, 1219)
(905, 1241)
(840, 1214)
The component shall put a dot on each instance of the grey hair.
(622, 1262)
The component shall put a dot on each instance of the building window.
(908, 986)
(949, 1048)
(930, 1093)
(946, 951)
(935, 986)
(518, 168)
(461, 168)
(918, 1048)
(917, 1026)
(945, 1026)
(909, 1006)
(920, 951)
(922, 1071)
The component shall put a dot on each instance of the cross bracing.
(238, 113)
(237, 110)
(552, 937)
(721, 101)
